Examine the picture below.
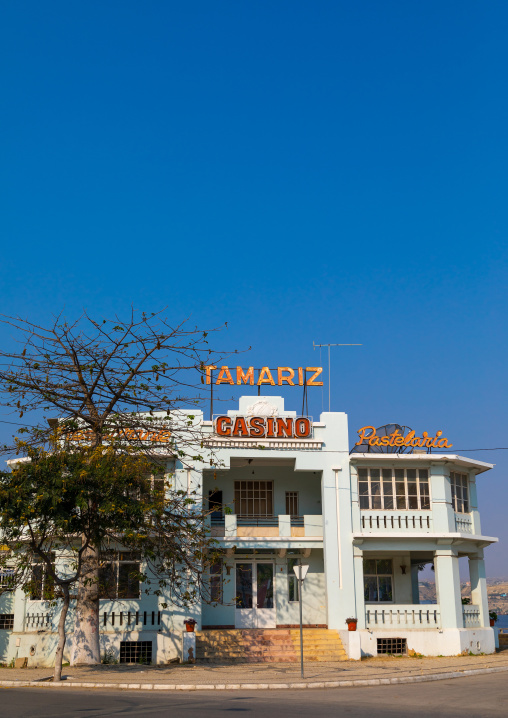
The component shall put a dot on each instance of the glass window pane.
(384, 565)
(424, 474)
(413, 502)
(411, 488)
(292, 581)
(364, 502)
(363, 488)
(244, 585)
(387, 488)
(370, 588)
(362, 473)
(369, 566)
(128, 580)
(401, 502)
(387, 475)
(265, 585)
(375, 474)
(411, 474)
(107, 581)
(388, 502)
(399, 475)
(385, 588)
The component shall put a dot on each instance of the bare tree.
(109, 382)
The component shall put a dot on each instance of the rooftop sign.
(266, 427)
(283, 374)
(369, 436)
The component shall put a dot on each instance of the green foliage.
(109, 657)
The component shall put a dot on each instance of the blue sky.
(328, 172)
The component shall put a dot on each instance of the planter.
(189, 626)
(492, 622)
(351, 626)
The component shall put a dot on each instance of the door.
(255, 599)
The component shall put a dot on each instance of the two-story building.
(285, 489)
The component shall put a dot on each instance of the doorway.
(255, 596)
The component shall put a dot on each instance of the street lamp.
(300, 573)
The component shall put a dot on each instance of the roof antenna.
(329, 369)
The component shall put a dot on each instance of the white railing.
(130, 620)
(463, 524)
(282, 525)
(396, 521)
(38, 621)
(471, 616)
(399, 616)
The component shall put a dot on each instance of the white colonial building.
(285, 489)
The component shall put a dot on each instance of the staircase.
(268, 645)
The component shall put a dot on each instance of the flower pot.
(190, 627)
(351, 626)
(492, 622)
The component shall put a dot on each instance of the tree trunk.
(86, 648)
(57, 676)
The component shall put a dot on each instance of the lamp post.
(300, 573)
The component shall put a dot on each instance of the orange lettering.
(248, 376)
(362, 434)
(223, 426)
(224, 376)
(265, 377)
(284, 427)
(281, 378)
(317, 371)
(208, 370)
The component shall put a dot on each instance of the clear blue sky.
(327, 171)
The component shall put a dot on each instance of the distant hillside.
(497, 590)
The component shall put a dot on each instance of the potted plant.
(493, 618)
(190, 624)
(351, 624)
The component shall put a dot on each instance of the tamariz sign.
(263, 427)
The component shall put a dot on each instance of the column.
(359, 592)
(473, 505)
(478, 580)
(443, 515)
(446, 565)
(415, 589)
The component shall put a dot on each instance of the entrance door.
(255, 607)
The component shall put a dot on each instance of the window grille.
(460, 492)
(386, 489)
(377, 580)
(7, 621)
(393, 646)
(42, 585)
(292, 503)
(136, 652)
(254, 498)
(119, 575)
(6, 579)
(216, 582)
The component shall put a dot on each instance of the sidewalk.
(371, 671)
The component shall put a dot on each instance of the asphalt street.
(474, 696)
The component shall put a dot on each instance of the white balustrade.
(396, 521)
(471, 615)
(463, 523)
(403, 616)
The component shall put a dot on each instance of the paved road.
(474, 697)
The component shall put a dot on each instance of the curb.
(358, 682)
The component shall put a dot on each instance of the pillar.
(478, 580)
(446, 565)
(415, 589)
(358, 583)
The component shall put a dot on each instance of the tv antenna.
(316, 346)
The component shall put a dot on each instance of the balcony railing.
(374, 521)
(463, 524)
(471, 614)
(402, 616)
(38, 621)
(130, 620)
(283, 525)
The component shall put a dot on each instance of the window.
(43, 585)
(7, 621)
(119, 575)
(384, 489)
(6, 579)
(136, 652)
(460, 492)
(216, 582)
(392, 646)
(254, 498)
(293, 594)
(377, 580)
(292, 503)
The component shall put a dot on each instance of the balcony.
(402, 616)
(396, 521)
(281, 526)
